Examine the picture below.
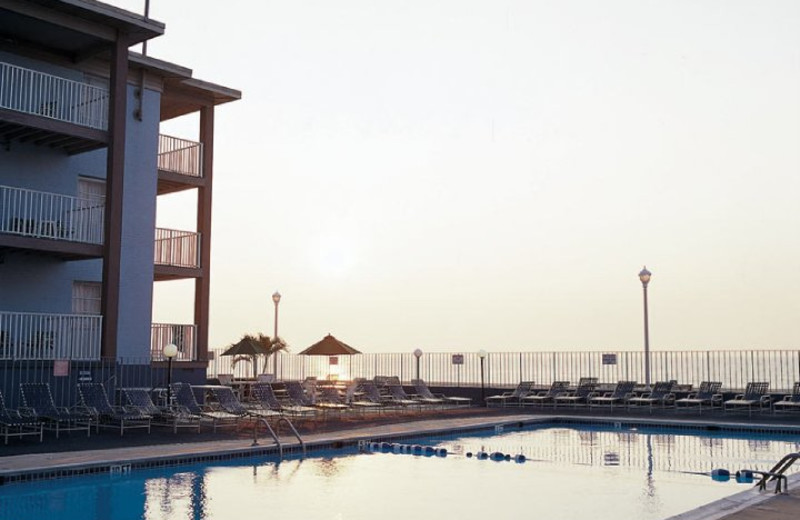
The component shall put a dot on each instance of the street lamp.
(482, 356)
(418, 354)
(644, 277)
(276, 298)
(170, 351)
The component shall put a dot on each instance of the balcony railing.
(37, 336)
(41, 214)
(180, 156)
(182, 336)
(45, 95)
(177, 248)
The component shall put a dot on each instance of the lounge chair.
(395, 395)
(707, 395)
(228, 402)
(790, 402)
(513, 397)
(422, 391)
(264, 395)
(397, 392)
(359, 399)
(329, 400)
(186, 402)
(139, 398)
(38, 402)
(661, 395)
(14, 424)
(545, 397)
(619, 396)
(298, 395)
(94, 401)
(754, 397)
(585, 389)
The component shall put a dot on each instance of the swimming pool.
(569, 472)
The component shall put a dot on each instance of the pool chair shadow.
(38, 402)
(139, 398)
(94, 402)
(661, 396)
(556, 389)
(708, 396)
(186, 402)
(619, 396)
(422, 391)
(578, 397)
(790, 402)
(14, 424)
(514, 397)
(754, 398)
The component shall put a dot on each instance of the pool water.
(569, 473)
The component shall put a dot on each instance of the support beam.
(203, 283)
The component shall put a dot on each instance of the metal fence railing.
(45, 95)
(180, 156)
(30, 335)
(734, 368)
(183, 336)
(177, 248)
(42, 214)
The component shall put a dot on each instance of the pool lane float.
(519, 458)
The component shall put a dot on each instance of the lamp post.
(644, 277)
(418, 354)
(482, 356)
(276, 299)
(170, 351)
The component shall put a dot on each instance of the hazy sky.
(461, 174)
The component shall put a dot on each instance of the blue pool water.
(585, 472)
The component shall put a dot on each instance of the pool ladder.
(274, 436)
(776, 473)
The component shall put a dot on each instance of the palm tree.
(271, 345)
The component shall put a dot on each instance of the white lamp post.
(644, 277)
(170, 351)
(276, 299)
(482, 356)
(418, 354)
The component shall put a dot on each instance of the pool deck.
(747, 505)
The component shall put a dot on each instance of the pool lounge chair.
(395, 389)
(661, 395)
(578, 397)
(38, 402)
(707, 395)
(139, 398)
(228, 402)
(790, 402)
(94, 401)
(363, 400)
(755, 397)
(14, 424)
(513, 397)
(329, 400)
(619, 396)
(297, 394)
(186, 402)
(546, 397)
(265, 397)
(422, 391)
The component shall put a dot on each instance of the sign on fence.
(85, 376)
(458, 359)
(60, 368)
(609, 359)
(333, 360)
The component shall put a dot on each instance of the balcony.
(47, 110)
(177, 254)
(181, 335)
(180, 164)
(62, 225)
(37, 336)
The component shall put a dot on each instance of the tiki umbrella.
(247, 346)
(331, 347)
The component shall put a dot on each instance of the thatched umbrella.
(247, 346)
(331, 347)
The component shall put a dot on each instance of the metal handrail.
(294, 431)
(271, 432)
(777, 473)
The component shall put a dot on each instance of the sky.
(456, 175)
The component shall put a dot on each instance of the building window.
(86, 297)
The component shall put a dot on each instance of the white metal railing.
(42, 94)
(181, 335)
(30, 335)
(50, 215)
(180, 156)
(177, 248)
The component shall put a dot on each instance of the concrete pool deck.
(183, 448)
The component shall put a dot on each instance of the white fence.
(177, 248)
(180, 156)
(28, 335)
(45, 95)
(41, 214)
(181, 335)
